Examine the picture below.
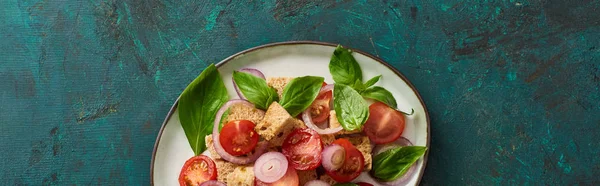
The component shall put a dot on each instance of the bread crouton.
(278, 83)
(327, 139)
(244, 112)
(328, 179)
(306, 176)
(224, 168)
(211, 147)
(333, 123)
(363, 144)
(241, 176)
(277, 124)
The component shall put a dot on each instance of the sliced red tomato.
(303, 149)
(384, 124)
(238, 137)
(364, 184)
(290, 178)
(319, 109)
(197, 170)
(353, 164)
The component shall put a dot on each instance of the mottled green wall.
(511, 86)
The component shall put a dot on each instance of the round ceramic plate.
(298, 58)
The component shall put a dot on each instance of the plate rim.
(303, 42)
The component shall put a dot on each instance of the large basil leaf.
(198, 106)
(299, 93)
(380, 94)
(255, 89)
(350, 108)
(393, 163)
(343, 67)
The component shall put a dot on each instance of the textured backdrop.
(511, 86)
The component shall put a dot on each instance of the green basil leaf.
(350, 108)
(299, 93)
(343, 67)
(358, 86)
(380, 94)
(198, 106)
(393, 163)
(372, 81)
(255, 89)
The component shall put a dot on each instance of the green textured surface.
(511, 86)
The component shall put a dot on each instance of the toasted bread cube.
(333, 123)
(277, 124)
(278, 83)
(211, 147)
(242, 176)
(363, 144)
(327, 139)
(328, 179)
(244, 112)
(306, 176)
(224, 168)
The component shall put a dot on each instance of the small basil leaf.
(380, 94)
(372, 81)
(255, 89)
(343, 67)
(392, 164)
(299, 93)
(350, 108)
(198, 106)
(358, 86)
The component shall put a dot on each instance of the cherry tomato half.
(364, 184)
(353, 164)
(238, 137)
(290, 178)
(384, 124)
(303, 149)
(197, 170)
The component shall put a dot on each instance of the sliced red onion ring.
(270, 167)
(400, 142)
(333, 157)
(316, 183)
(213, 183)
(261, 146)
(252, 71)
(309, 122)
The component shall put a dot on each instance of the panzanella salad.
(294, 130)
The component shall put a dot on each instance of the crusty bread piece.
(327, 139)
(363, 144)
(277, 124)
(243, 112)
(211, 147)
(333, 123)
(328, 179)
(224, 168)
(278, 83)
(306, 176)
(241, 176)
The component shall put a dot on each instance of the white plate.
(297, 58)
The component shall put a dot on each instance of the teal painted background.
(511, 86)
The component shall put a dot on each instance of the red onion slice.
(252, 71)
(316, 183)
(213, 183)
(309, 122)
(270, 167)
(400, 142)
(260, 148)
(333, 157)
